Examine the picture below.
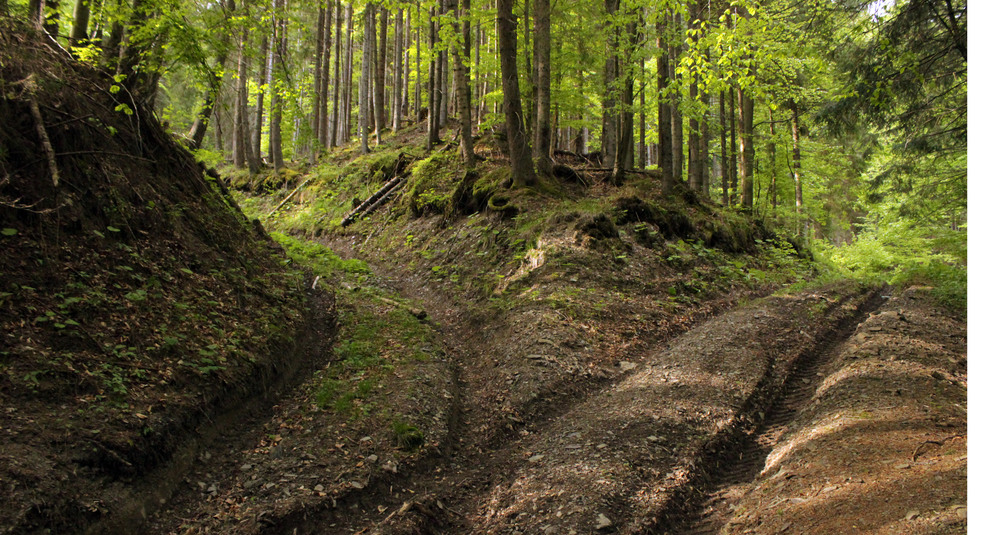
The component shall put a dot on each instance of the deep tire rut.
(732, 474)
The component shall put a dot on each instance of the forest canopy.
(844, 121)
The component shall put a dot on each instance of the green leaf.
(8, 231)
(113, 229)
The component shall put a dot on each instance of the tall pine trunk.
(432, 82)
(397, 77)
(277, 100)
(240, 105)
(522, 171)
(724, 168)
(642, 118)
(348, 81)
(441, 85)
(664, 110)
(324, 88)
(379, 86)
(543, 53)
(745, 118)
(609, 119)
(733, 149)
(676, 119)
(258, 126)
(81, 20)
(529, 92)
(407, 94)
(314, 122)
(335, 138)
(462, 58)
(364, 82)
(418, 101)
(772, 156)
(796, 165)
(625, 152)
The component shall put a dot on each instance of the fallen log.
(372, 202)
(294, 191)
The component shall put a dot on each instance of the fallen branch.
(44, 137)
(916, 452)
(294, 191)
(415, 312)
(372, 202)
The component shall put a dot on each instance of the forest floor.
(577, 357)
(836, 409)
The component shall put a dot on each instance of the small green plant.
(408, 436)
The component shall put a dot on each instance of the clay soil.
(837, 409)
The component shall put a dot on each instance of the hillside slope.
(136, 301)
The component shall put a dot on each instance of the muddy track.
(731, 473)
(441, 493)
(224, 428)
(627, 452)
(455, 492)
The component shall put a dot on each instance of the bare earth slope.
(880, 445)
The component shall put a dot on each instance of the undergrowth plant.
(901, 255)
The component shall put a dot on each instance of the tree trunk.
(196, 135)
(746, 106)
(706, 162)
(664, 110)
(277, 101)
(364, 82)
(772, 154)
(642, 117)
(314, 122)
(217, 132)
(418, 103)
(379, 89)
(694, 142)
(432, 80)
(81, 20)
(609, 120)
(543, 52)
(625, 152)
(406, 68)
(324, 88)
(50, 15)
(479, 87)
(240, 105)
(676, 119)
(796, 165)
(522, 172)
(724, 168)
(530, 91)
(397, 69)
(258, 128)
(733, 150)
(335, 138)
(35, 13)
(441, 85)
(345, 109)
(462, 53)
(112, 41)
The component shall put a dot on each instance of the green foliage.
(408, 436)
(906, 256)
(320, 260)
(431, 184)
